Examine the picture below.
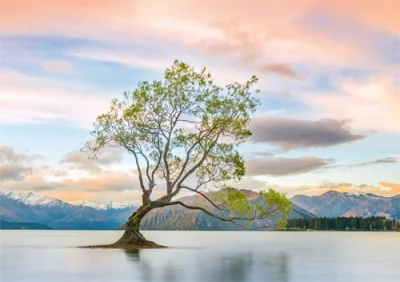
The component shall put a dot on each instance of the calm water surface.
(202, 256)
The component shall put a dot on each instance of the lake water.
(202, 256)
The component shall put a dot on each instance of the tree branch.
(137, 166)
(158, 162)
(226, 219)
(173, 122)
(204, 196)
(185, 163)
(147, 166)
(193, 169)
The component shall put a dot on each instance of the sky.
(328, 72)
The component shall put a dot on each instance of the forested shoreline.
(372, 223)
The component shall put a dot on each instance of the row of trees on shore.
(372, 223)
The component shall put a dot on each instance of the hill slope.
(22, 225)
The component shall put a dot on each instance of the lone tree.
(183, 133)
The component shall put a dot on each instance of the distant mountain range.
(334, 204)
(25, 208)
(57, 214)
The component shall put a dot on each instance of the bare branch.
(158, 162)
(173, 122)
(203, 195)
(138, 167)
(193, 169)
(226, 219)
(147, 165)
(185, 163)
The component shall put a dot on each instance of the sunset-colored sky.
(329, 75)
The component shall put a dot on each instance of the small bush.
(295, 229)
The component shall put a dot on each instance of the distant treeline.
(376, 223)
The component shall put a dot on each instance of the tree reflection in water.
(203, 265)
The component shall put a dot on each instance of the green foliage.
(295, 229)
(281, 225)
(236, 203)
(233, 201)
(274, 200)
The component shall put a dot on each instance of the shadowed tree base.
(128, 246)
(129, 241)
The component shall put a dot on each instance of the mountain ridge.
(90, 215)
(57, 214)
(334, 204)
(32, 199)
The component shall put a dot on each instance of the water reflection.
(132, 254)
(213, 256)
(205, 265)
(277, 268)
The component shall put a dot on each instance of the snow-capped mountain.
(57, 214)
(333, 203)
(103, 206)
(31, 199)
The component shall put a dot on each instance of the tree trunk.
(132, 236)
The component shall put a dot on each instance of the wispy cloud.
(388, 160)
(105, 157)
(384, 188)
(371, 103)
(10, 154)
(13, 172)
(14, 166)
(282, 166)
(290, 134)
(27, 99)
(391, 188)
(281, 69)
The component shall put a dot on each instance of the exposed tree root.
(128, 246)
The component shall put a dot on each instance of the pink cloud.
(26, 16)
(268, 27)
(371, 104)
(78, 185)
(386, 189)
(391, 188)
(29, 99)
(58, 66)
